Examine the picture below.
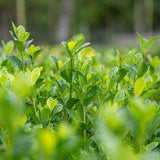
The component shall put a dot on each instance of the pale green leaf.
(51, 103)
(150, 43)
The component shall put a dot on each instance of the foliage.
(75, 108)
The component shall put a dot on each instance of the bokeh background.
(101, 21)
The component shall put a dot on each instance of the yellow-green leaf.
(60, 64)
(35, 75)
(51, 103)
(139, 86)
(71, 45)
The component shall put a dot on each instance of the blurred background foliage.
(102, 21)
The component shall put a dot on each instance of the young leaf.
(54, 60)
(83, 46)
(142, 43)
(36, 53)
(60, 64)
(65, 45)
(119, 59)
(8, 46)
(139, 86)
(15, 29)
(71, 45)
(35, 75)
(51, 103)
(16, 61)
(150, 43)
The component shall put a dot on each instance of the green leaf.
(39, 82)
(16, 61)
(150, 43)
(11, 33)
(67, 74)
(36, 53)
(65, 45)
(71, 102)
(58, 108)
(78, 76)
(28, 61)
(20, 30)
(142, 43)
(15, 29)
(121, 74)
(119, 59)
(27, 43)
(149, 93)
(120, 96)
(78, 44)
(19, 45)
(54, 60)
(91, 93)
(51, 103)
(113, 71)
(155, 62)
(139, 86)
(142, 68)
(83, 46)
(152, 146)
(72, 114)
(29, 56)
(8, 46)
(35, 75)
(45, 113)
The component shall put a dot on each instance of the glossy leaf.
(16, 61)
(150, 43)
(139, 86)
(67, 74)
(19, 45)
(71, 102)
(54, 60)
(51, 103)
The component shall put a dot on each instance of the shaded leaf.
(19, 45)
(142, 68)
(149, 93)
(54, 60)
(16, 61)
(71, 102)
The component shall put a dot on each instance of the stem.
(84, 121)
(49, 123)
(70, 95)
(7, 138)
(22, 60)
(72, 63)
(34, 105)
